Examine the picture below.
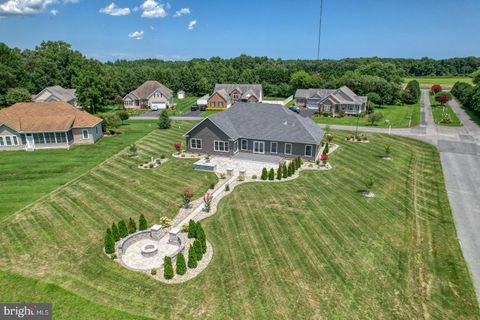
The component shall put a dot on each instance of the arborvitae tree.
(115, 233)
(294, 164)
(284, 170)
(109, 242)
(164, 121)
(181, 266)
(192, 229)
(202, 238)
(300, 161)
(132, 226)
(279, 173)
(325, 150)
(271, 174)
(192, 258)
(197, 247)
(122, 229)
(290, 170)
(142, 223)
(167, 268)
(264, 174)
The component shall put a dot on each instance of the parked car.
(295, 109)
(194, 108)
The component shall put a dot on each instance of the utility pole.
(320, 30)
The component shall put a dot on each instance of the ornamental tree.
(443, 98)
(271, 174)
(109, 242)
(197, 246)
(436, 88)
(329, 138)
(167, 268)
(324, 158)
(388, 150)
(115, 233)
(178, 146)
(123, 115)
(326, 149)
(264, 174)
(202, 238)
(207, 201)
(192, 258)
(284, 170)
(375, 117)
(181, 265)
(192, 229)
(142, 223)
(369, 183)
(122, 229)
(187, 196)
(132, 226)
(279, 172)
(164, 121)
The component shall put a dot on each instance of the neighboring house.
(181, 94)
(203, 101)
(331, 100)
(46, 125)
(57, 93)
(151, 94)
(225, 95)
(256, 128)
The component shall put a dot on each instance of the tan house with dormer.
(224, 95)
(151, 94)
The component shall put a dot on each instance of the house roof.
(145, 90)
(224, 95)
(243, 88)
(342, 95)
(309, 93)
(46, 116)
(59, 92)
(266, 122)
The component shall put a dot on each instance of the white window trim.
(225, 146)
(83, 134)
(13, 138)
(276, 147)
(241, 145)
(260, 143)
(311, 150)
(291, 148)
(195, 148)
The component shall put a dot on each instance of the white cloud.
(54, 12)
(28, 7)
(113, 10)
(153, 9)
(192, 24)
(182, 12)
(138, 35)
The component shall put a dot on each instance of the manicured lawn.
(274, 98)
(27, 176)
(398, 116)
(446, 82)
(474, 116)
(309, 248)
(438, 111)
(183, 106)
(208, 113)
(117, 107)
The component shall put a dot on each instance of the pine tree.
(132, 226)
(192, 258)
(122, 229)
(167, 268)
(192, 229)
(294, 164)
(264, 174)
(284, 170)
(109, 242)
(197, 247)
(279, 173)
(290, 170)
(115, 233)
(326, 149)
(181, 266)
(164, 121)
(202, 238)
(142, 223)
(271, 174)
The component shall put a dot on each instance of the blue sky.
(132, 29)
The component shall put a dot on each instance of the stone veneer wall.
(130, 239)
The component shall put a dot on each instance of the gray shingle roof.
(267, 122)
(224, 95)
(59, 92)
(309, 93)
(228, 87)
(148, 87)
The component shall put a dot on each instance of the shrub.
(187, 196)
(264, 174)
(279, 172)
(123, 115)
(443, 98)
(227, 187)
(109, 242)
(241, 178)
(122, 229)
(388, 150)
(254, 177)
(181, 266)
(202, 238)
(207, 202)
(223, 175)
(326, 149)
(167, 268)
(165, 221)
(284, 170)
(192, 258)
(150, 165)
(290, 169)
(184, 227)
(178, 146)
(197, 246)
(153, 271)
(142, 223)
(164, 121)
(192, 229)
(132, 226)
(436, 88)
(133, 150)
(375, 117)
(115, 232)
(212, 185)
(113, 256)
(215, 109)
(271, 174)
(369, 182)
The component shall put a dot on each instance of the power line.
(320, 29)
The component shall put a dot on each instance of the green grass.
(27, 176)
(309, 248)
(208, 113)
(183, 105)
(274, 98)
(398, 116)
(446, 82)
(438, 111)
(119, 107)
(474, 115)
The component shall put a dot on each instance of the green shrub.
(271, 174)
(109, 242)
(264, 174)
(284, 170)
(122, 229)
(123, 115)
(212, 185)
(142, 223)
(153, 271)
(167, 268)
(181, 266)
(164, 121)
(279, 172)
(192, 258)
(254, 176)
(132, 226)
(113, 256)
(192, 229)
(227, 187)
(202, 238)
(197, 247)
(115, 233)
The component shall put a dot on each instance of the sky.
(288, 29)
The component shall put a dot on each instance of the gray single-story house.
(269, 129)
(57, 93)
(334, 101)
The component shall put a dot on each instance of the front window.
(288, 148)
(212, 104)
(8, 140)
(273, 147)
(220, 104)
(244, 144)
(308, 151)
(85, 134)
(196, 143)
(221, 146)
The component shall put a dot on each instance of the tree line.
(469, 95)
(27, 72)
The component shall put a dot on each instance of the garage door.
(159, 105)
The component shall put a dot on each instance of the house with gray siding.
(269, 129)
(334, 101)
(57, 93)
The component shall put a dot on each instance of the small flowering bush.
(324, 158)
(178, 146)
(207, 201)
(187, 196)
